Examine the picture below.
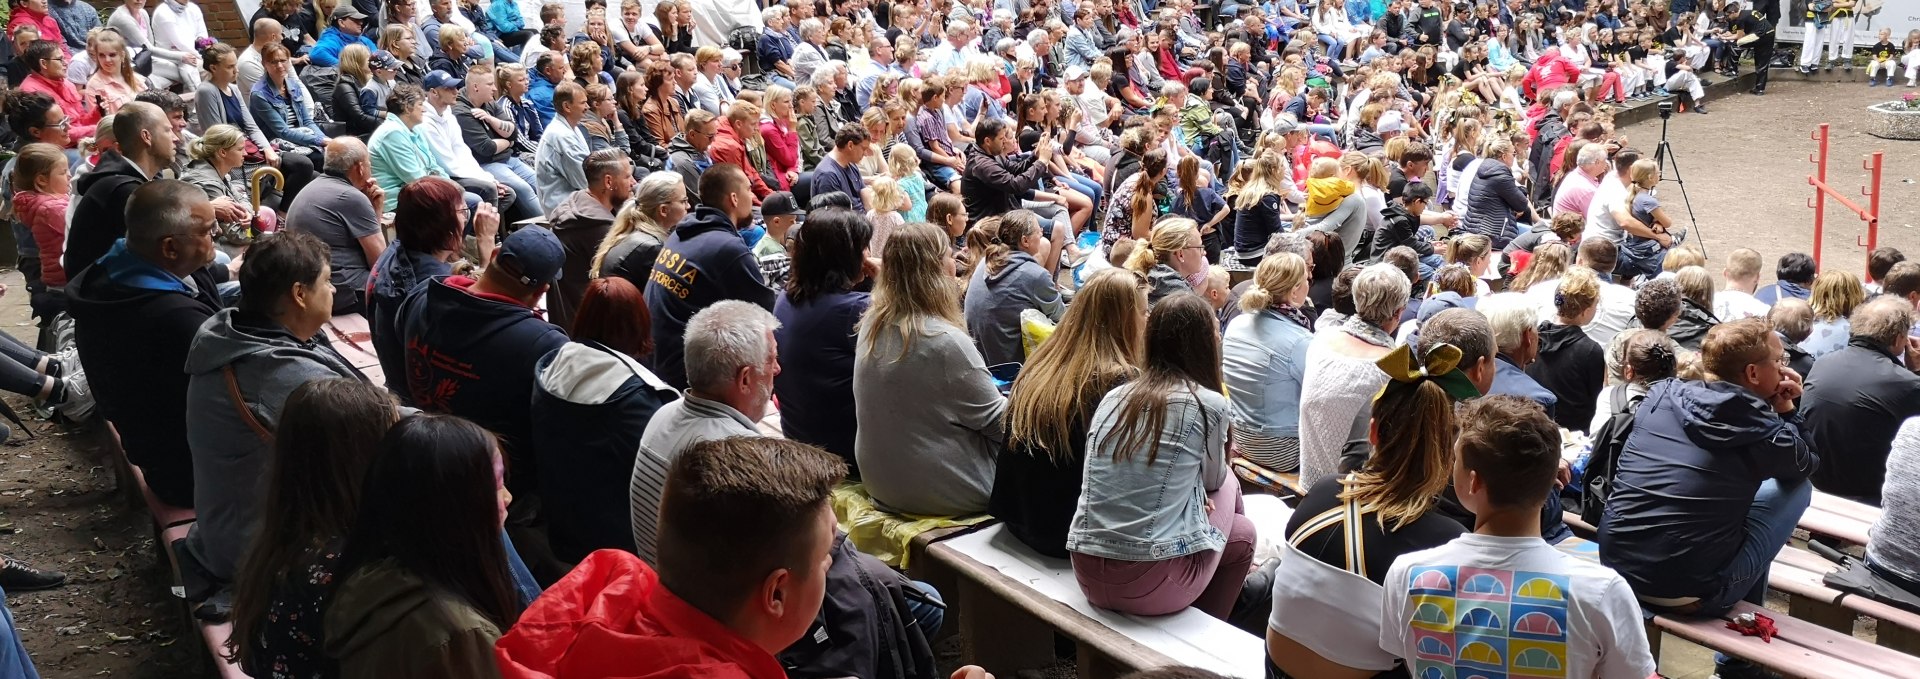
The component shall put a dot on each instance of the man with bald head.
(266, 31)
(135, 313)
(146, 138)
(339, 208)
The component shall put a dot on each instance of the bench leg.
(1830, 616)
(1900, 639)
(1096, 665)
(944, 581)
(1653, 639)
(997, 635)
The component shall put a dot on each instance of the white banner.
(1900, 15)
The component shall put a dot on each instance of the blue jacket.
(1265, 362)
(703, 261)
(1510, 379)
(1153, 511)
(1772, 294)
(590, 405)
(326, 50)
(815, 384)
(1686, 479)
(283, 118)
(473, 355)
(506, 17)
(772, 49)
(540, 93)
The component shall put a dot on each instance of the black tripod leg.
(1665, 153)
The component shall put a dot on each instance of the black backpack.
(1608, 442)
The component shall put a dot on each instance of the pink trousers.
(1209, 580)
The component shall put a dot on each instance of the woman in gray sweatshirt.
(1007, 283)
(928, 413)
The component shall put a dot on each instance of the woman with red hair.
(592, 398)
(428, 224)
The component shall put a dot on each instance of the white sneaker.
(79, 404)
(68, 358)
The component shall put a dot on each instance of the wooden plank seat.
(1803, 648)
(1011, 600)
(1839, 518)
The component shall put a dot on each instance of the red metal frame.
(1818, 180)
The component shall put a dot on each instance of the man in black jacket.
(703, 261)
(1858, 396)
(99, 213)
(998, 181)
(135, 314)
(492, 140)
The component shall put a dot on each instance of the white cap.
(1391, 121)
(1076, 72)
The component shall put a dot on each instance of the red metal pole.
(1873, 203)
(1819, 193)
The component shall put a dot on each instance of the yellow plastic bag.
(1035, 328)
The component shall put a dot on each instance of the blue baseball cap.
(437, 79)
(532, 255)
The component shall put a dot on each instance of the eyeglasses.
(63, 124)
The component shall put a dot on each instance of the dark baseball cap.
(532, 255)
(384, 59)
(437, 79)
(779, 203)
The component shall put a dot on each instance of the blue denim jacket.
(1265, 360)
(284, 118)
(1136, 511)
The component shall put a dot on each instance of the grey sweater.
(929, 421)
(994, 303)
(229, 455)
(674, 428)
(1896, 536)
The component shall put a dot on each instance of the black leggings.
(517, 38)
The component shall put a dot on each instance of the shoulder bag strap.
(240, 406)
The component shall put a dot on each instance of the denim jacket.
(1265, 362)
(285, 118)
(1136, 511)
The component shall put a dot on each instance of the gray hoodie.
(229, 454)
(994, 302)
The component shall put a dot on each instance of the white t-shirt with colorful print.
(1484, 606)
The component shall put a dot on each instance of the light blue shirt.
(559, 165)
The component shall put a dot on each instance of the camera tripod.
(1665, 157)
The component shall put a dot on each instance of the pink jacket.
(46, 215)
(81, 118)
(49, 29)
(783, 149)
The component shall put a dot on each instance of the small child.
(42, 191)
(1640, 255)
(884, 207)
(1912, 58)
(1325, 189)
(904, 165)
(1883, 57)
(1501, 596)
(778, 211)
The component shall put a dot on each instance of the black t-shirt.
(1753, 23)
(1883, 51)
(1636, 53)
(1382, 547)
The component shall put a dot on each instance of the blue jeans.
(929, 615)
(523, 583)
(1775, 512)
(1333, 46)
(1085, 186)
(517, 176)
(16, 664)
(944, 175)
(781, 80)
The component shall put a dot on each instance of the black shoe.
(17, 576)
(1735, 668)
(1700, 109)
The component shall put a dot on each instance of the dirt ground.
(60, 507)
(1745, 166)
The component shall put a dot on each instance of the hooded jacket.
(1690, 329)
(703, 261)
(690, 163)
(1398, 227)
(1770, 294)
(241, 355)
(1855, 402)
(1492, 202)
(994, 301)
(612, 616)
(384, 621)
(133, 324)
(729, 148)
(1574, 368)
(581, 222)
(473, 354)
(397, 273)
(1685, 481)
(100, 217)
(590, 404)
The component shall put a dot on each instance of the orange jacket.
(729, 148)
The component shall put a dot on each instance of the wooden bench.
(1009, 600)
(353, 338)
(170, 525)
(1839, 518)
(1801, 649)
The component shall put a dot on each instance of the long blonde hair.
(1278, 275)
(911, 288)
(1549, 261)
(1095, 348)
(1263, 180)
(655, 190)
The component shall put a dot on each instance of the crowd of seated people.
(1093, 269)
